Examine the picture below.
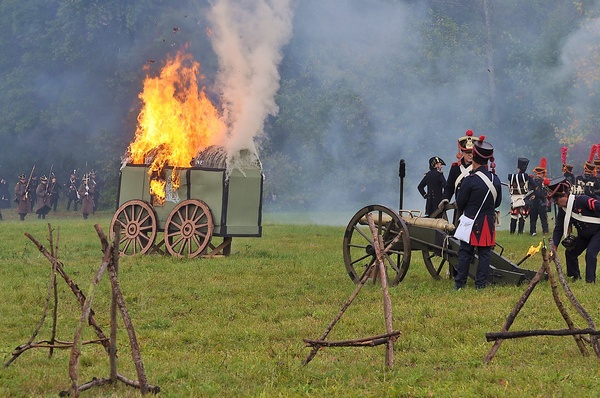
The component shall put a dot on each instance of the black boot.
(521, 226)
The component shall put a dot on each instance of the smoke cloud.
(248, 38)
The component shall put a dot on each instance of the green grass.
(234, 327)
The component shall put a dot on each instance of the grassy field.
(234, 327)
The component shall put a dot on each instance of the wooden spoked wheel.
(138, 227)
(359, 250)
(435, 264)
(188, 228)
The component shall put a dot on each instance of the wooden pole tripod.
(110, 263)
(578, 334)
(376, 267)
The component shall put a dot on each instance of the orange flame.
(177, 120)
(532, 249)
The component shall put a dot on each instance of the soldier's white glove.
(443, 203)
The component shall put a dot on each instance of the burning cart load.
(176, 122)
(177, 176)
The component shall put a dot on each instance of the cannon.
(403, 232)
(209, 201)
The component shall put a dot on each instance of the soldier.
(582, 212)
(480, 194)
(22, 197)
(55, 189)
(86, 193)
(586, 183)
(44, 196)
(73, 195)
(537, 201)
(4, 196)
(459, 169)
(435, 181)
(519, 186)
(98, 184)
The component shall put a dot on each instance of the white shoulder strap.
(464, 171)
(489, 184)
(577, 216)
(568, 212)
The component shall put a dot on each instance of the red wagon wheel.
(359, 252)
(138, 227)
(188, 228)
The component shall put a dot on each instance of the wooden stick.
(544, 332)
(561, 308)
(574, 302)
(513, 314)
(54, 252)
(112, 353)
(363, 280)
(365, 341)
(113, 251)
(85, 313)
(387, 302)
(75, 289)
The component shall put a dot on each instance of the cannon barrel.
(434, 223)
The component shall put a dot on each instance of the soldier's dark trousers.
(74, 204)
(513, 225)
(465, 257)
(538, 210)
(591, 246)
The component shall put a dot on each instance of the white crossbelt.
(577, 216)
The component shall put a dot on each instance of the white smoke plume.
(247, 37)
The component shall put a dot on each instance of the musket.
(29, 181)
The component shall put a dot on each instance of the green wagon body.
(209, 202)
(235, 202)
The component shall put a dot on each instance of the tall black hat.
(435, 160)
(522, 164)
(483, 151)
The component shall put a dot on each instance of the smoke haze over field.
(247, 38)
(418, 105)
(332, 93)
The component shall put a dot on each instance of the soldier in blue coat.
(480, 194)
(582, 212)
(459, 169)
(435, 181)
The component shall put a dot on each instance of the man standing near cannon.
(519, 186)
(537, 201)
(435, 181)
(480, 194)
(459, 170)
(582, 212)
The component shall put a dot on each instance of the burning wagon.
(200, 203)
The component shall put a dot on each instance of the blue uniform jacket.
(470, 196)
(584, 205)
(453, 175)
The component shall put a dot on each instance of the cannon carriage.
(402, 233)
(199, 216)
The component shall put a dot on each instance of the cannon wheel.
(359, 252)
(138, 227)
(188, 228)
(435, 264)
